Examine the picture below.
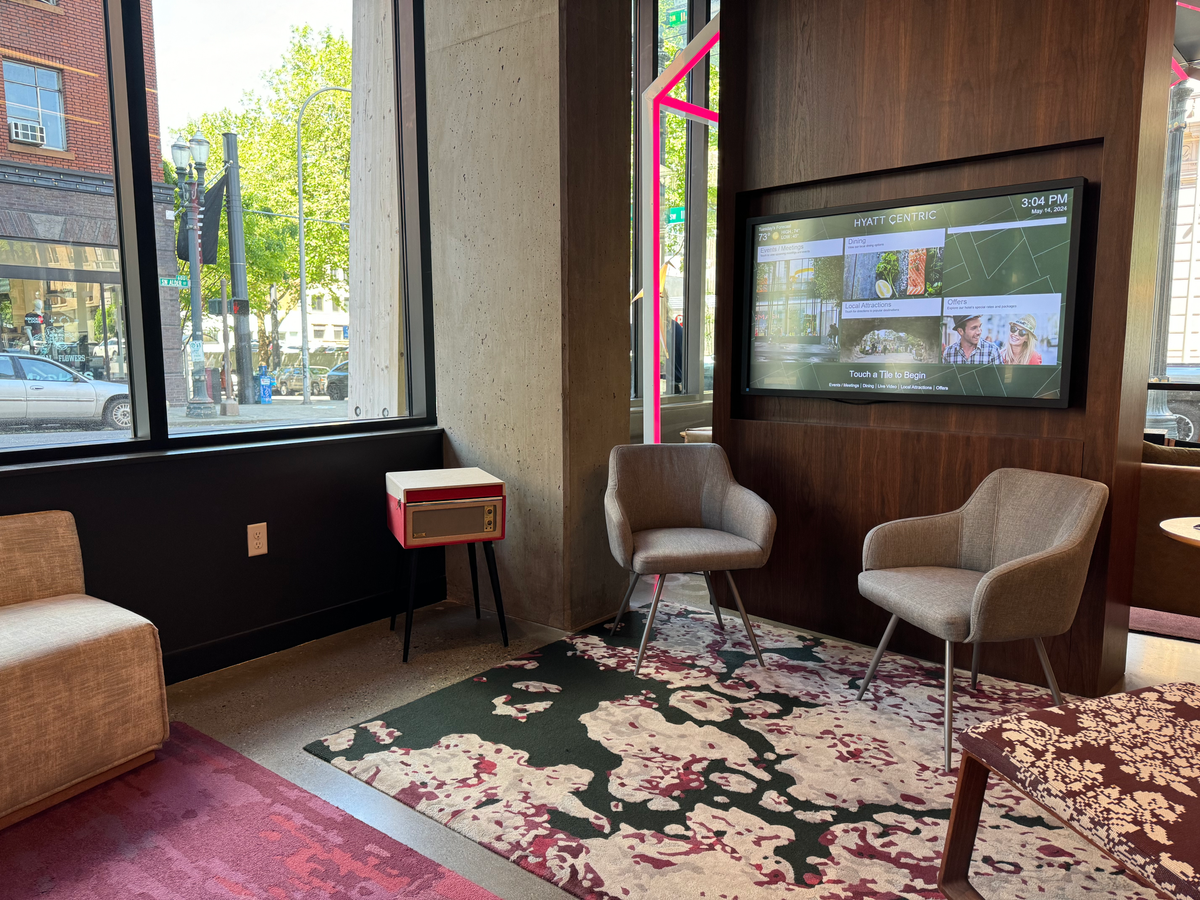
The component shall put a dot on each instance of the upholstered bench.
(1123, 772)
(81, 681)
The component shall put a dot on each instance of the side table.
(1185, 530)
(443, 507)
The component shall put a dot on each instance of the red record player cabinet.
(441, 507)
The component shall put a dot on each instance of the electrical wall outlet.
(256, 539)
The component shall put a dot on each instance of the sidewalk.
(280, 411)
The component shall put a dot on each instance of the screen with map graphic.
(966, 298)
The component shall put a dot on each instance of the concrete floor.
(269, 708)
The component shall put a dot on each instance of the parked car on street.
(337, 382)
(36, 390)
(290, 380)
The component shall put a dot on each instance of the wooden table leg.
(960, 835)
(474, 576)
(490, 555)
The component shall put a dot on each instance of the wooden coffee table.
(1186, 530)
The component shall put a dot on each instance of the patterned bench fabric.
(1123, 770)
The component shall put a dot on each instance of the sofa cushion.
(1170, 456)
(82, 692)
(41, 557)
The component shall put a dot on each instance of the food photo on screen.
(962, 297)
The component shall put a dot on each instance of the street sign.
(174, 282)
(678, 17)
(676, 215)
(197, 348)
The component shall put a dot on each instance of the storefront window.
(294, 266)
(1173, 404)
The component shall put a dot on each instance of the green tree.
(266, 130)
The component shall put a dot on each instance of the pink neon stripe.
(656, 292)
(684, 106)
(1188, 6)
(656, 400)
(1178, 70)
(679, 75)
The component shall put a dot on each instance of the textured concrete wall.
(522, 349)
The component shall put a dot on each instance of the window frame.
(37, 91)
(133, 168)
(645, 62)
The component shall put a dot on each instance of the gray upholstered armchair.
(1010, 564)
(676, 508)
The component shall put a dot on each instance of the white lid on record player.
(399, 483)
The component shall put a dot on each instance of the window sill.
(38, 151)
(38, 4)
(136, 451)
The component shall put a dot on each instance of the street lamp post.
(190, 184)
(300, 214)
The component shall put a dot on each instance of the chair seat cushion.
(82, 692)
(663, 551)
(1121, 770)
(933, 598)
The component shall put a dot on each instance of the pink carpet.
(1152, 621)
(202, 821)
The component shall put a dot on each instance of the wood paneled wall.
(826, 103)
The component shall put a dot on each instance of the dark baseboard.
(179, 665)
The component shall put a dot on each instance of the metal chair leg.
(474, 576)
(887, 636)
(633, 580)
(975, 666)
(658, 586)
(949, 713)
(737, 598)
(712, 598)
(1046, 667)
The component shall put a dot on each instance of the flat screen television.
(961, 298)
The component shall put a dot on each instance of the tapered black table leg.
(412, 594)
(490, 555)
(474, 576)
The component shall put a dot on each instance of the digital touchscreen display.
(965, 297)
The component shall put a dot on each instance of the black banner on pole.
(210, 224)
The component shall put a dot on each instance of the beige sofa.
(82, 697)
(1166, 573)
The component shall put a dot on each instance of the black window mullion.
(135, 217)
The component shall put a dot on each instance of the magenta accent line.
(692, 108)
(656, 292)
(1178, 69)
(1188, 6)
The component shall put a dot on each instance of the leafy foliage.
(266, 130)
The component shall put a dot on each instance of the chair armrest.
(749, 516)
(1034, 596)
(620, 534)
(921, 541)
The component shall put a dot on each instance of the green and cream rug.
(708, 776)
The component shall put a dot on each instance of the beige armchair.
(1010, 564)
(675, 508)
(83, 698)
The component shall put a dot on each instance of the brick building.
(61, 291)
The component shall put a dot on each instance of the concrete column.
(529, 123)
(377, 363)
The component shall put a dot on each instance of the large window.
(1174, 399)
(243, 286)
(688, 216)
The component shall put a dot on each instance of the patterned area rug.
(708, 776)
(202, 821)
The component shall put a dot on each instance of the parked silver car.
(35, 390)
